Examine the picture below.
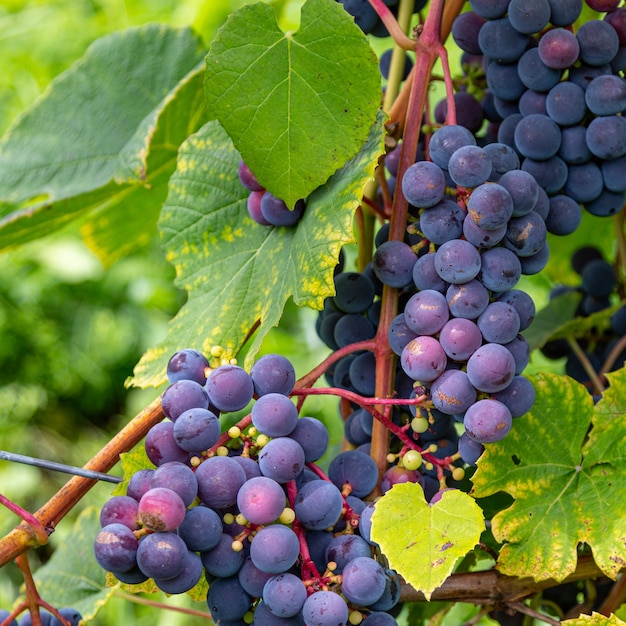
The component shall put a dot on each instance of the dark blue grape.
(469, 449)
(606, 136)
(480, 237)
(465, 29)
(281, 459)
(574, 149)
(522, 188)
(500, 269)
(352, 328)
(490, 206)
(533, 102)
(565, 215)
(442, 222)
(537, 137)
(196, 430)
(503, 159)
(318, 504)
(518, 397)
(354, 469)
(201, 529)
(384, 64)
(606, 204)
(354, 292)
(550, 174)
(252, 579)
(115, 548)
(613, 175)
(522, 303)
(187, 579)
(222, 560)
(598, 41)
(363, 373)
(535, 74)
(393, 264)
(504, 83)
(424, 184)
(564, 12)
(446, 140)
(470, 166)
(499, 323)
(584, 182)
(70, 614)
(312, 435)
(161, 555)
(529, 16)
(526, 235)
(227, 601)
(344, 548)
(499, 41)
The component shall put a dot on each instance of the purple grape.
(363, 581)
(500, 269)
(518, 397)
(275, 549)
(161, 446)
(221, 560)
(254, 207)
(490, 206)
(273, 373)
(183, 395)
(423, 359)
(469, 449)
(443, 222)
(139, 483)
(426, 312)
(399, 334)
(499, 323)
(252, 579)
(598, 42)
(264, 617)
(277, 213)
(503, 159)
(281, 459)
(201, 529)
(247, 178)
(261, 500)
(424, 184)
(313, 437)
(487, 421)
(565, 215)
(393, 264)
(457, 261)
(318, 504)
(284, 595)
(230, 388)
(354, 469)
(161, 509)
(491, 368)
(274, 415)
(325, 608)
(196, 430)
(187, 364)
(452, 393)
(115, 548)
(396, 475)
(522, 303)
(161, 555)
(379, 618)
(219, 479)
(446, 140)
(178, 477)
(460, 338)
(465, 29)
(344, 548)
(499, 41)
(187, 579)
(391, 594)
(425, 275)
(523, 189)
(470, 166)
(468, 300)
(120, 510)
(227, 601)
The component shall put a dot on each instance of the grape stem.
(389, 20)
(596, 383)
(41, 535)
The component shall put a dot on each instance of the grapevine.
(418, 227)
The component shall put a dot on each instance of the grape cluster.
(604, 348)
(72, 617)
(264, 207)
(558, 97)
(279, 541)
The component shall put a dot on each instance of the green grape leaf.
(566, 484)
(238, 273)
(72, 577)
(595, 619)
(423, 542)
(297, 105)
(101, 143)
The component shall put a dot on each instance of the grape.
(518, 397)
(364, 15)
(384, 64)
(355, 469)
(188, 577)
(487, 421)
(187, 364)
(503, 159)
(500, 269)
(391, 594)
(275, 549)
(535, 263)
(506, 130)
(565, 104)
(526, 235)
(264, 617)
(219, 479)
(196, 430)
(538, 137)
(284, 595)
(277, 213)
(249, 466)
(558, 48)
(582, 74)
(452, 393)
(598, 42)
(479, 237)
(139, 483)
(252, 579)
(325, 608)
(393, 264)
(178, 477)
(535, 74)
(365, 522)
(504, 83)
(227, 601)
(564, 12)
(423, 184)
(522, 188)
(120, 510)
(499, 41)
(247, 178)
(490, 206)
(469, 449)
(273, 373)
(465, 29)
(363, 373)
(442, 222)
(613, 174)
(261, 500)
(115, 548)
(312, 436)
(598, 278)
(584, 182)
(491, 368)
(161, 446)
(456, 261)
(423, 359)
(468, 300)
(133, 576)
(426, 312)
(72, 616)
(221, 560)
(542, 206)
(469, 112)
(352, 328)
(459, 338)
(607, 203)
(274, 415)
(378, 618)
(354, 292)
(183, 395)
(344, 548)
(499, 323)
(490, 9)
(201, 529)
(532, 102)
(230, 388)
(617, 19)
(522, 303)
(606, 95)
(363, 581)
(425, 275)
(161, 509)
(505, 109)
(282, 459)
(469, 166)
(446, 140)
(565, 215)
(254, 207)
(45, 617)
(399, 334)
(529, 16)
(3, 615)
(161, 555)
(318, 504)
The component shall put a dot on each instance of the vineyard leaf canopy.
(238, 273)
(568, 488)
(101, 143)
(422, 542)
(297, 105)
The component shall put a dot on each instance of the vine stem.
(616, 597)
(23, 537)
(596, 383)
(526, 610)
(159, 605)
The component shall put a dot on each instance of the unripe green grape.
(419, 424)
(412, 459)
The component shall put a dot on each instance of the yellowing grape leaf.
(423, 542)
(595, 619)
(238, 273)
(297, 105)
(568, 489)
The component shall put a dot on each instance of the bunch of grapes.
(279, 541)
(70, 615)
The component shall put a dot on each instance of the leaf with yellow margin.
(567, 485)
(238, 273)
(595, 619)
(423, 542)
